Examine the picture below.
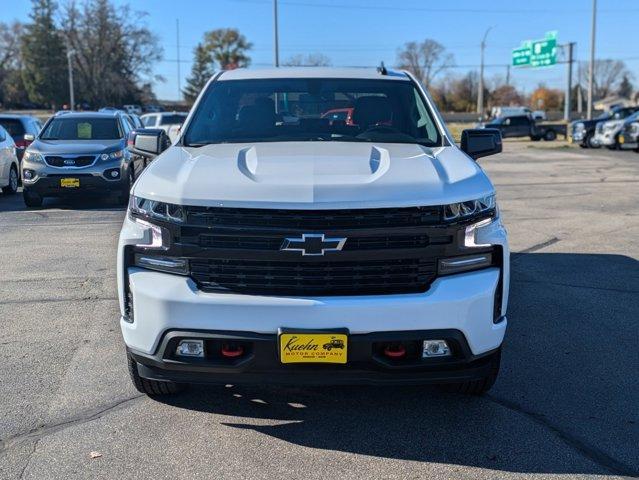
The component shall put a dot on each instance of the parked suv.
(80, 154)
(269, 230)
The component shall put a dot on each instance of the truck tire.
(550, 135)
(589, 141)
(481, 385)
(31, 199)
(14, 180)
(151, 388)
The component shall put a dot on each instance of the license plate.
(313, 347)
(622, 139)
(70, 182)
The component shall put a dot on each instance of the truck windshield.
(82, 128)
(312, 109)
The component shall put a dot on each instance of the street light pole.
(276, 35)
(480, 93)
(591, 70)
(70, 53)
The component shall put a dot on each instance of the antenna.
(382, 69)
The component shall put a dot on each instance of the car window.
(150, 121)
(519, 121)
(173, 119)
(13, 126)
(82, 128)
(3, 134)
(295, 109)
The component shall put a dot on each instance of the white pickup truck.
(273, 243)
(170, 122)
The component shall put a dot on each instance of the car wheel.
(589, 141)
(13, 181)
(31, 199)
(151, 387)
(550, 135)
(481, 385)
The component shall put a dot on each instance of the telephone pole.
(567, 103)
(591, 70)
(276, 35)
(480, 93)
(70, 54)
(179, 80)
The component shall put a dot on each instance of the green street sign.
(536, 53)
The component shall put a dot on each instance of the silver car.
(80, 154)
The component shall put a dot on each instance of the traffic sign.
(536, 53)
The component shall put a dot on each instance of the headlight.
(167, 212)
(471, 208)
(112, 155)
(608, 126)
(34, 157)
(579, 126)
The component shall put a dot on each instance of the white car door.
(7, 149)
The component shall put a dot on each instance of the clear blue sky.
(364, 32)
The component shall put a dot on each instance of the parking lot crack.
(42, 431)
(590, 452)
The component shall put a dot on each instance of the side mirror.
(28, 138)
(148, 142)
(482, 142)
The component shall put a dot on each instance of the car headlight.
(609, 126)
(579, 126)
(33, 157)
(112, 155)
(152, 209)
(485, 206)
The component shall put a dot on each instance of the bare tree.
(310, 60)
(425, 60)
(608, 75)
(12, 89)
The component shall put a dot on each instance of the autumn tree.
(228, 47)
(425, 60)
(546, 98)
(608, 75)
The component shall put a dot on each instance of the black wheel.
(481, 385)
(14, 180)
(550, 135)
(31, 199)
(151, 387)
(590, 141)
(123, 198)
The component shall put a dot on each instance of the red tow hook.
(395, 351)
(232, 351)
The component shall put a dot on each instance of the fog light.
(27, 174)
(191, 348)
(435, 348)
(114, 173)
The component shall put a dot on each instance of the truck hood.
(308, 175)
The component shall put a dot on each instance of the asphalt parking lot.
(566, 403)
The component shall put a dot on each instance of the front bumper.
(366, 362)
(49, 185)
(469, 308)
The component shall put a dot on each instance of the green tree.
(44, 69)
(200, 73)
(228, 47)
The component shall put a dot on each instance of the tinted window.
(518, 121)
(276, 110)
(13, 126)
(172, 119)
(150, 121)
(79, 128)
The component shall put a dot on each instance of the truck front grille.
(371, 277)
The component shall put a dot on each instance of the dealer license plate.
(313, 347)
(70, 182)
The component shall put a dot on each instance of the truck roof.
(311, 72)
